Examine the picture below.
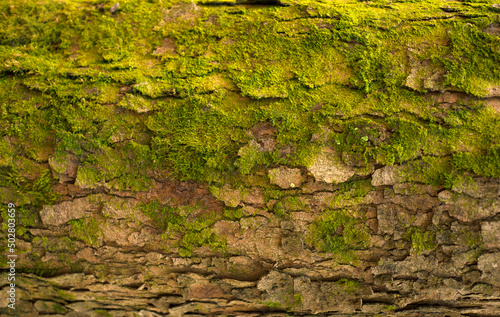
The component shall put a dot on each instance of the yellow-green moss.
(168, 85)
(340, 233)
(86, 230)
(190, 234)
(421, 239)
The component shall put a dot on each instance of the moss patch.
(173, 88)
(86, 230)
(188, 231)
(340, 233)
(189, 82)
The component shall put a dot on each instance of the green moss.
(288, 302)
(374, 65)
(136, 103)
(484, 164)
(6, 152)
(162, 216)
(471, 66)
(271, 193)
(87, 230)
(273, 305)
(59, 309)
(65, 295)
(431, 170)
(288, 204)
(473, 239)
(162, 88)
(349, 285)
(233, 214)
(190, 234)
(339, 232)
(421, 239)
(350, 194)
(123, 167)
(103, 313)
(390, 307)
(470, 239)
(26, 218)
(27, 184)
(103, 272)
(199, 142)
(406, 142)
(63, 244)
(196, 239)
(250, 156)
(40, 268)
(41, 191)
(264, 82)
